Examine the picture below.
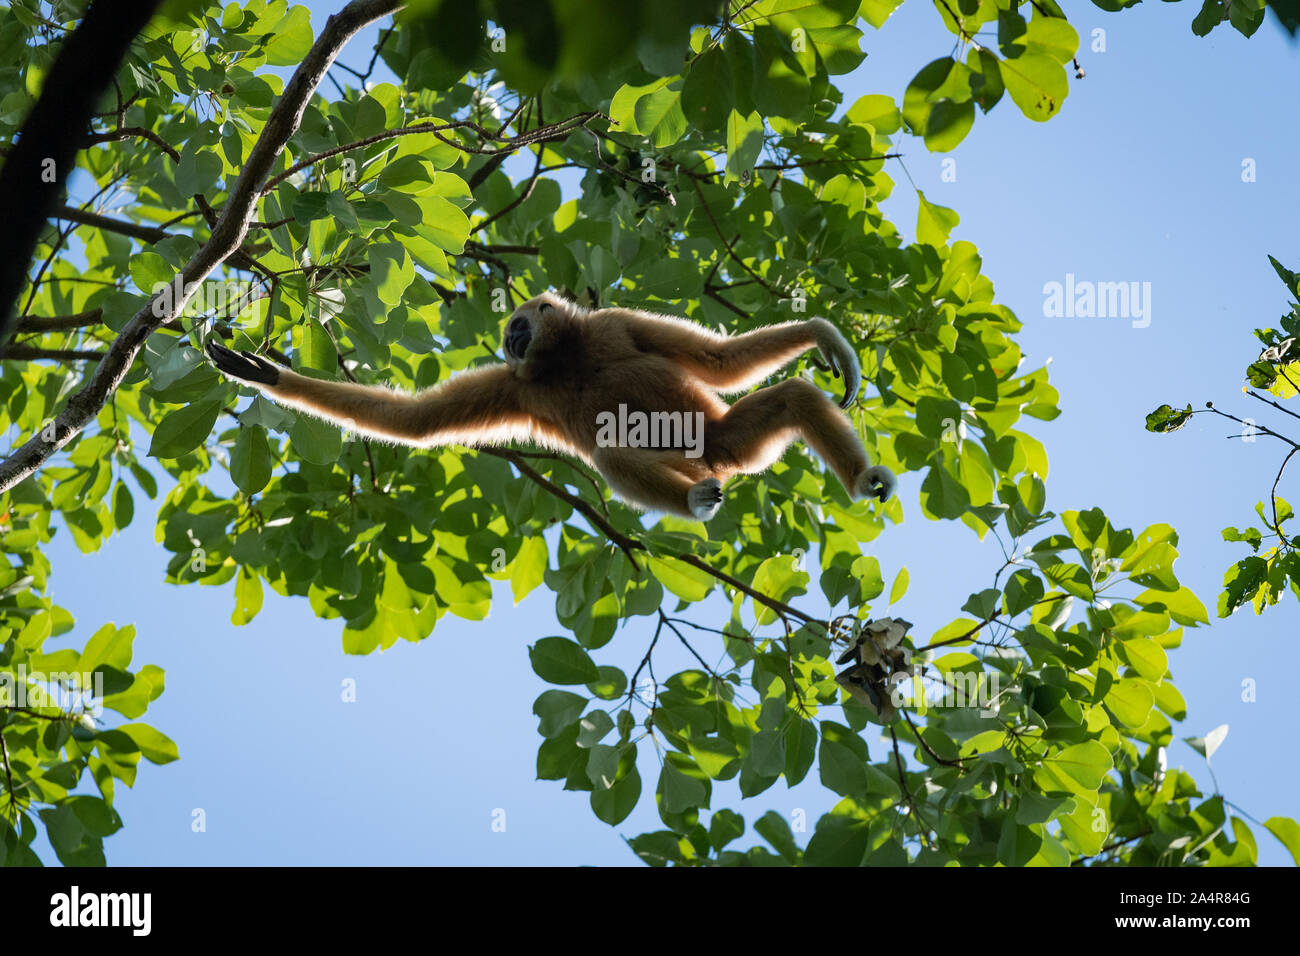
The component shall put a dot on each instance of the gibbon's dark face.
(524, 327)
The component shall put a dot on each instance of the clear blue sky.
(1138, 179)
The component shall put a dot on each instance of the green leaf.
(899, 587)
(876, 12)
(149, 270)
(1245, 16)
(1168, 419)
(1077, 769)
(410, 173)
(1288, 832)
(708, 94)
(1241, 582)
(248, 596)
(838, 841)
(1078, 827)
(877, 111)
(123, 506)
(391, 270)
(250, 460)
(773, 828)
(73, 843)
(1022, 592)
(622, 108)
(841, 769)
(528, 568)
(198, 171)
(317, 350)
(1213, 12)
(724, 827)
(316, 441)
(942, 496)
(680, 791)
(744, 143)
(593, 727)
(767, 753)
(1292, 282)
(986, 78)
(947, 125)
(558, 660)
(558, 709)
(156, 746)
(183, 430)
(1208, 745)
(612, 799)
(1037, 84)
(610, 685)
(1051, 36)
(1147, 657)
(291, 38)
(444, 224)
(934, 224)
(1183, 605)
(1131, 701)
(938, 103)
(309, 206)
(686, 581)
(780, 87)
(659, 117)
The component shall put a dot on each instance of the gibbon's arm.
(732, 363)
(479, 406)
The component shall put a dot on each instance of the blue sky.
(1138, 179)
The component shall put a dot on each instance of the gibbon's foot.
(244, 366)
(876, 482)
(704, 498)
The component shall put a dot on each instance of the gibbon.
(596, 384)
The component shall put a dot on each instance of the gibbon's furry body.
(568, 369)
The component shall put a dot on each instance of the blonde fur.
(572, 365)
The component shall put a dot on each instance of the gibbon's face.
(525, 326)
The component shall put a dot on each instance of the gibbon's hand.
(841, 358)
(244, 366)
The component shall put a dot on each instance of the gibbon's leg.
(759, 428)
(473, 407)
(660, 480)
(736, 362)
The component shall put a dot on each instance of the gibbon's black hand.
(839, 358)
(244, 366)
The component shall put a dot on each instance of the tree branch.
(127, 132)
(224, 241)
(37, 324)
(37, 168)
(779, 607)
(122, 227)
(730, 246)
(518, 200)
(146, 233)
(626, 544)
(542, 134)
(1277, 525)
(62, 355)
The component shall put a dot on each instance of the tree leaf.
(558, 660)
